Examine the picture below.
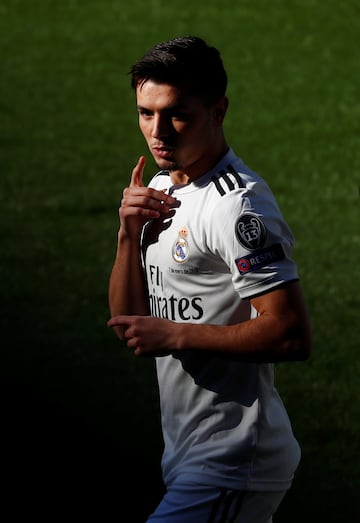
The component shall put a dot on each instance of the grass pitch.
(81, 413)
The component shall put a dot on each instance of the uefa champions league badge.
(180, 250)
(250, 231)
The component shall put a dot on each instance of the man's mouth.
(163, 151)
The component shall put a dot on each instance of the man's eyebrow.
(176, 107)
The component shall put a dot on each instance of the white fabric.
(223, 421)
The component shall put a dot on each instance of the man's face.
(181, 132)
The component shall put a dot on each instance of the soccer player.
(204, 280)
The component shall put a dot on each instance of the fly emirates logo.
(175, 308)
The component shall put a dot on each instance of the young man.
(204, 280)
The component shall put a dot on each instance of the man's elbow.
(297, 344)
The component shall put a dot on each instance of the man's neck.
(183, 177)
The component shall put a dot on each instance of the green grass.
(79, 409)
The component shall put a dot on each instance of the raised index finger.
(138, 172)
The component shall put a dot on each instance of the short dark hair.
(184, 61)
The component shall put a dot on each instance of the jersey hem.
(232, 483)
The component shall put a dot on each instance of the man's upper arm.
(286, 307)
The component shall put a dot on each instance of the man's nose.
(161, 127)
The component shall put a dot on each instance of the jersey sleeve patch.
(260, 258)
(250, 231)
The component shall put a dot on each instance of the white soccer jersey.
(223, 421)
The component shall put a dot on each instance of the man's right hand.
(140, 204)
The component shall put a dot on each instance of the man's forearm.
(127, 288)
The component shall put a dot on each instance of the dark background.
(80, 420)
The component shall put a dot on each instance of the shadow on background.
(59, 463)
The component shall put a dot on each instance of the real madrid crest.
(180, 249)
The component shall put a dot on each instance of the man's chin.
(166, 165)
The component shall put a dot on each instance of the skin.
(186, 137)
(182, 134)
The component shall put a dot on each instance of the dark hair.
(186, 61)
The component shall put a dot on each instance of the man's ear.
(220, 109)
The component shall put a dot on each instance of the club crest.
(180, 250)
(250, 231)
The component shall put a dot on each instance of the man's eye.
(180, 116)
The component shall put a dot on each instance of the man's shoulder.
(232, 174)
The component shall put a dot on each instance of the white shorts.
(207, 504)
